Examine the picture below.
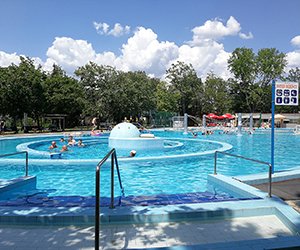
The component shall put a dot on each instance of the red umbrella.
(212, 116)
(228, 116)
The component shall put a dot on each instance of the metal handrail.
(249, 159)
(113, 155)
(17, 153)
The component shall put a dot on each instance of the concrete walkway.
(238, 232)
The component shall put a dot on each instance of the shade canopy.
(221, 117)
(228, 116)
(279, 116)
(212, 116)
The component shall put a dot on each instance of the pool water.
(74, 175)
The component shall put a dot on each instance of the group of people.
(207, 132)
(71, 143)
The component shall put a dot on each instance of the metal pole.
(215, 169)
(97, 209)
(204, 121)
(118, 171)
(273, 126)
(251, 122)
(112, 182)
(185, 123)
(270, 180)
(26, 167)
(239, 123)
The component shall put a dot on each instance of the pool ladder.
(114, 160)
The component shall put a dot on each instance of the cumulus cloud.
(296, 41)
(144, 51)
(293, 59)
(214, 30)
(7, 59)
(117, 31)
(246, 36)
(70, 53)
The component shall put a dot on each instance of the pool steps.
(205, 211)
(9, 187)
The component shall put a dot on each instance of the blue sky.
(156, 33)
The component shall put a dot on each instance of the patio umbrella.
(212, 116)
(279, 117)
(228, 116)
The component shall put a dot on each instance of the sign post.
(283, 93)
(273, 126)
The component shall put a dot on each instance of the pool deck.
(288, 190)
(236, 233)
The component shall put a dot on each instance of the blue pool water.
(185, 171)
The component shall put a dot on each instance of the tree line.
(111, 95)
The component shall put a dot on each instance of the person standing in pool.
(53, 145)
(80, 143)
(64, 148)
(132, 153)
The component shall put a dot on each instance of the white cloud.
(214, 30)
(293, 59)
(144, 51)
(70, 53)
(245, 36)
(117, 31)
(7, 59)
(296, 41)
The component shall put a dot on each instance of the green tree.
(216, 95)
(97, 81)
(242, 65)
(64, 95)
(250, 86)
(184, 80)
(132, 94)
(113, 95)
(22, 90)
(166, 100)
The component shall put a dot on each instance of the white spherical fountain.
(127, 136)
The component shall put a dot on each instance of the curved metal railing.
(18, 153)
(249, 159)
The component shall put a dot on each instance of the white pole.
(251, 122)
(185, 123)
(204, 121)
(240, 124)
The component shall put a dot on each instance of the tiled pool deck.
(236, 233)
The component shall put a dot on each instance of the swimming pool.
(149, 173)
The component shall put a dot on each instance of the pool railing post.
(112, 182)
(215, 168)
(26, 167)
(97, 209)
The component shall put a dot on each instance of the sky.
(147, 35)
